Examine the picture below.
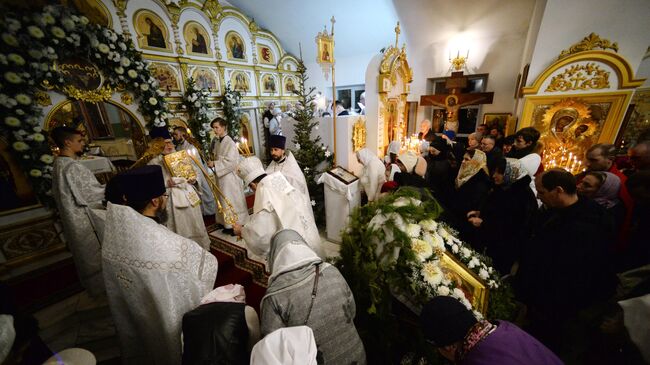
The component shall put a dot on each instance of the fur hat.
(445, 320)
(143, 183)
(277, 141)
(249, 169)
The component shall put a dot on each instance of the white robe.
(278, 205)
(208, 205)
(153, 277)
(225, 165)
(291, 171)
(373, 175)
(76, 191)
(184, 218)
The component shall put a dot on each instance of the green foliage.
(195, 101)
(312, 156)
(231, 104)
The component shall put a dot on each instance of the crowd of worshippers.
(140, 240)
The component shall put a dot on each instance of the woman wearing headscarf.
(305, 291)
(373, 175)
(286, 346)
(505, 221)
(472, 185)
(439, 177)
(604, 187)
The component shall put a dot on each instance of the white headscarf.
(394, 147)
(373, 175)
(286, 346)
(228, 293)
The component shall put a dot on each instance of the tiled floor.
(85, 322)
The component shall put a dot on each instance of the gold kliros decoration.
(580, 77)
(90, 96)
(588, 43)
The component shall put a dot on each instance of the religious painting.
(464, 279)
(79, 73)
(635, 120)
(247, 132)
(266, 55)
(166, 76)
(325, 47)
(15, 190)
(152, 31)
(205, 79)
(289, 85)
(235, 46)
(268, 84)
(343, 175)
(95, 11)
(524, 79)
(239, 81)
(497, 120)
(197, 39)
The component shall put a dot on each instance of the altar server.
(153, 275)
(284, 162)
(373, 175)
(76, 191)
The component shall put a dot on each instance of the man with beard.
(76, 191)
(184, 202)
(153, 276)
(285, 163)
(208, 205)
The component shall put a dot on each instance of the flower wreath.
(231, 103)
(30, 46)
(195, 102)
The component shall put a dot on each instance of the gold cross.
(397, 32)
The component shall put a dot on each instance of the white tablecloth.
(98, 164)
(340, 200)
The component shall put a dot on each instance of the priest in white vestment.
(208, 205)
(278, 205)
(77, 191)
(153, 276)
(373, 175)
(226, 158)
(184, 204)
(284, 162)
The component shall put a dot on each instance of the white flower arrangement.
(20, 146)
(9, 39)
(12, 121)
(36, 173)
(57, 32)
(35, 32)
(132, 73)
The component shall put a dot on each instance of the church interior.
(495, 152)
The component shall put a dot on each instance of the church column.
(121, 13)
(175, 13)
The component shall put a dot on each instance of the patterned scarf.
(470, 168)
(476, 334)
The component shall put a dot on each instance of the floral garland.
(231, 104)
(393, 247)
(195, 101)
(31, 45)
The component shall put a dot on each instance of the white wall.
(349, 71)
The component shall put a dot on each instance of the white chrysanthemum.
(422, 249)
(12, 121)
(13, 77)
(34, 53)
(465, 252)
(103, 48)
(153, 101)
(444, 233)
(17, 59)
(144, 87)
(58, 32)
(429, 225)
(12, 24)
(10, 39)
(119, 70)
(483, 274)
(48, 18)
(23, 99)
(493, 284)
(19, 112)
(443, 290)
(437, 242)
(83, 20)
(67, 23)
(36, 172)
(20, 146)
(38, 137)
(132, 74)
(474, 262)
(48, 159)
(35, 31)
(197, 104)
(432, 274)
(125, 62)
(454, 248)
(413, 230)
(328, 153)
(457, 293)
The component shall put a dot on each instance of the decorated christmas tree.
(313, 157)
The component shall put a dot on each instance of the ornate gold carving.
(253, 27)
(126, 98)
(120, 5)
(359, 135)
(42, 98)
(580, 77)
(90, 96)
(212, 8)
(588, 43)
(577, 108)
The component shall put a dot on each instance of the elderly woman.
(305, 291)
(373, 175)
(603, 187)
(472, 186)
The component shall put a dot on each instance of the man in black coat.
(565, 270)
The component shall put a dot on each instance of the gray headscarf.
(607, 194)
(290, 260)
